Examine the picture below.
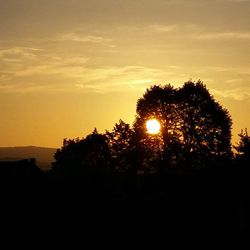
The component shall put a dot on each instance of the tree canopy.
(195, 128)
(79, 157)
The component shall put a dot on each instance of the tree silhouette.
(120, 144)
(205, 125)
(158, 102)
(243, 148)
(195, 128)
(81, 157)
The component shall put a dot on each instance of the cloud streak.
(163, 28)
(75, 37)
(224, 36)
(73, 73)
(238, 94)
(19, 51)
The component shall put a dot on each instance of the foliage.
(79, 157)
(120, 144)
(195, 132)
(195, 128)
(243, 148)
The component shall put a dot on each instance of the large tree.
(157, 102)
(206, 125)
(195, 128)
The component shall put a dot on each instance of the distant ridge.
(44, 156)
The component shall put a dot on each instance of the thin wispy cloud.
(33, 69)
(235, 1)
(163, 28)
(112, 79)
(73, 74)
(223, 36)
(238, 94)
(74, 37)
(244, 71)
(19, 51)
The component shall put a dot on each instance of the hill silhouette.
(43, 155)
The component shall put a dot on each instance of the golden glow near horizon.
(153, 126)
(69, 66)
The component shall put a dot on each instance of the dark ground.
(214, 199)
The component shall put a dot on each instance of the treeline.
(187, 173)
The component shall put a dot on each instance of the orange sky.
(67, 66)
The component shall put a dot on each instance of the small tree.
(80, 157)
(243, 148)
(120, 144)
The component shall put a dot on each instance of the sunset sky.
(67, 66)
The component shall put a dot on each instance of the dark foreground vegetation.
(184, 177)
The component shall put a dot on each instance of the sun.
(153, 126)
